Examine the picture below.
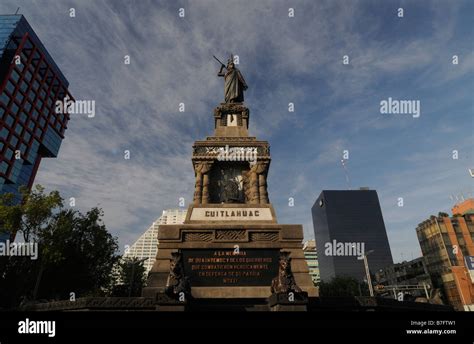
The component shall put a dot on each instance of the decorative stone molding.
(264, 236)
(94, 303)
(231, 235)
(198, 236)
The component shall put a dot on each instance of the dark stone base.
(288, 302)
(165, 303)
(95, 304)
(276, 302)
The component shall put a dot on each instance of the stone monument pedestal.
(230, 246)
(255, 242)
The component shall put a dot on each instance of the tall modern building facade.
(311, 257)
(147, 245)
(30, 85)
(348, 224)
(447, 244)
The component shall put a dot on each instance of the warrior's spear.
(219, 61)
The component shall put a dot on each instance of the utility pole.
(367, 272)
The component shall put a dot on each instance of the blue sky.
(283, 60)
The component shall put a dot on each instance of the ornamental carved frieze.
(231, 235)
(231, 108)
(198, 236)
(264, 236)
(220, 235)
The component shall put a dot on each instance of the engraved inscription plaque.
(227, 267)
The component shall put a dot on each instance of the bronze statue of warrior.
(234, 82)
(285, 281)
(177, 282)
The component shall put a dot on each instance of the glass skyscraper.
(30, 85)
(344, 222)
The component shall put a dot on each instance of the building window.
(3, 167)
(23, 86)
(9, 154)
(15, 76)
(10, 120)
(5, 99)
(23, 148)
(4, 133)
(27, 106)
(36, 58)
(13, 141)
(10, 87)
(15, 109)
(31, 95)
(34, 145)
(23, 118)
(26, 137)
(19, 97)
(28, 76)
(19, 129)
(24, 58)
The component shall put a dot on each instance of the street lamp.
(367, 272)
(133, 274)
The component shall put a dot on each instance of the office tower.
(311, 256)
(348, 224)
(147, 245)
(30, 85)
(448, 248)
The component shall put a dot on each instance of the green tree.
(31, 216)
(130, 277)
(76, 253)
(89, 254)
(342, 286)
